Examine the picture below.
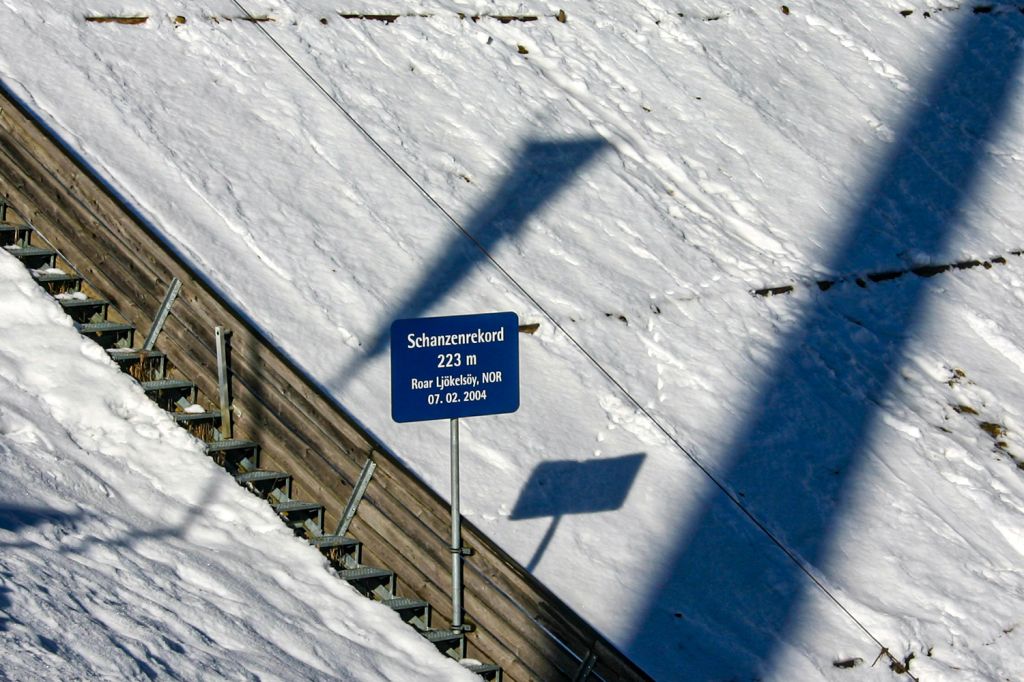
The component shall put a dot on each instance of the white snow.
(128, 554)
(635, 173)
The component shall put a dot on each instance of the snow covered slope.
(128, 554)
(635, 170)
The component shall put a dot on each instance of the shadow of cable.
(570, 487)
(722, 604)
(5, 605)
(16, 518)
(541, 170)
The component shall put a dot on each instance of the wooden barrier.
(403, 524)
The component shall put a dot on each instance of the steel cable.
(733, 498)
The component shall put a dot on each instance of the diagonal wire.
(791, 554)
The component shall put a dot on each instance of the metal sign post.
(452, 367)
(456, 547)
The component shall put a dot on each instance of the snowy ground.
(128, 554)
(636, 171)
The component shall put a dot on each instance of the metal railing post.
(161, 314)
(223, 385)
(358, 491)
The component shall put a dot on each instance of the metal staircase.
(98, 320)
(517, 622)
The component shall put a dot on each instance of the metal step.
(55, 282)
(237, 456)
(370, 581)
(166, 385)
(109, 334)
(85, 310)
(452, 643)
(263, 482)
(202, 425)
(415, 612)
(33, 257)
(488, 671)
(305, 518)
(141, 365)
(168, 392)
(342, 551)
(15, 235)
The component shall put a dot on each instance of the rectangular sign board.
(456, 366)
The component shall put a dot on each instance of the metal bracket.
(358, 491)
(464, 551)
(162, 313)
(586, 667)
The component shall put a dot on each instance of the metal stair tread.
(140, 364)
(19, 251)
(195, 416)
(166, 384)
(16, 229)
(403, 603)
(437, 636)
(257, 475)
(365, 572)
(482, 668)
(230, 444)
(92, 327)
(329, 541)
(126, 353)
(296, 505)
(81, 302)
(55, 276)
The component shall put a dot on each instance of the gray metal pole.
(162, 313)
(222, 383)
(456, 532)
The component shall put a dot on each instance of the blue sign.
(458, 366)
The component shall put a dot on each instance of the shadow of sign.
(570, 487)
(722, 605)
(541, 170)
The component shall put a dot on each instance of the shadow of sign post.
(538, 174)
(570, 487)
